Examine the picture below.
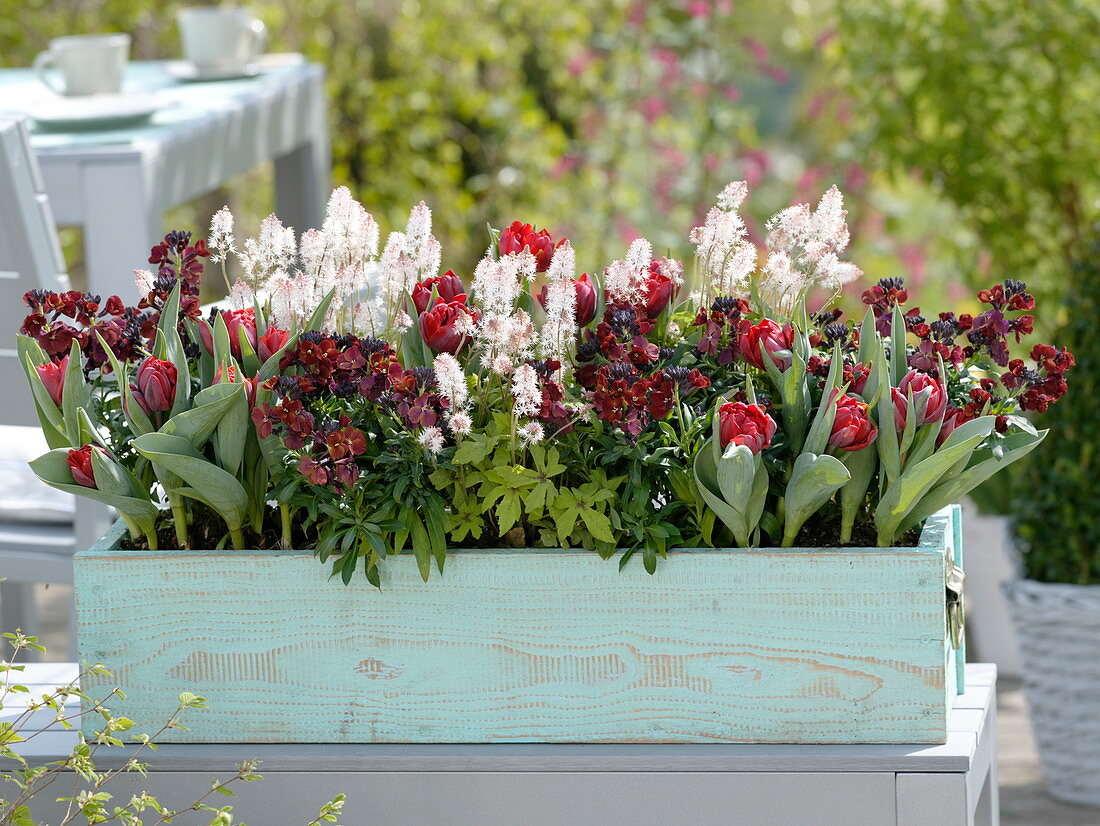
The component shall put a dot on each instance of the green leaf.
(814, 480)
(135, 416)
(198, 424)
(231, 433)
(31, 355)
(597, 523)
(208, 482)
(74, 396)
(53, 469)
(421, 545)
(956, 486)
(908, 489)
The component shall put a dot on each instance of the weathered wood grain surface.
(527, 646)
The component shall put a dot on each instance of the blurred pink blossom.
(652, 107)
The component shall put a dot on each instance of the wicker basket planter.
(1058, 627)
(780, 646)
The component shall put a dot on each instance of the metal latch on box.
(956, 615)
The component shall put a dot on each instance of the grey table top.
(970, 714)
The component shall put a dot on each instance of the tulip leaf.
(250, 362)
(230, 434)
(223, 353)
(170, 312)
(887, 441)
(31, 355)
(898, 364)
(198, 424)
(53, 469)
(135, 416)
(814, 479)
(206, 481)
(861, 465)
(735, 490)
(818, 438)
(74, 396)
(910, 487)
(983, 465)
(317, 319)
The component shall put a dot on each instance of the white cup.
(89, 64)
(221, 38)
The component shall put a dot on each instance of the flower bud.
(745, 424)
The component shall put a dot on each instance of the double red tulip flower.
(745, 424)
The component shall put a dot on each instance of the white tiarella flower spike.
(625, 278)
(461, 424)
(803, 251)
(221, 235)
(723, 253)
(432, 439)
(143, 280)
(451, 382)
(526, 393)
(531, 433)
(559, 330)
(241, 296)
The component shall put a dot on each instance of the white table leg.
(933, 799)
(303, 176)
(120, 227)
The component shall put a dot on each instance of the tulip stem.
(237, 535)
(284, 516)
(179, 517)
(847, 521)
(151, 540)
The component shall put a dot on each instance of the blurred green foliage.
(991, 102)
(994, 104)
(1055, 492)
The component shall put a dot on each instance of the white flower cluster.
(804, 248)
(452, 386)
(526, 392)
(504, 335)
(559, 331)
(220, 241)
(723, 252)
(625, 280)
(294, 277)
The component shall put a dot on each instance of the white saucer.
(94, 111)
(187, 72)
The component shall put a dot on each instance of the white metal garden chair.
(40, 528)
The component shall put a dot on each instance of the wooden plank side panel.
(723, 646)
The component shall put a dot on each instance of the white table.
(950, 785)
(117, 184)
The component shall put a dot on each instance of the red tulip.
(951, 419)
(231, 378)
(271, 342)
(52, 374)
(518, 236)
(447, 286)
(155, 385)
(206, 335)
(80, 465)
(922, 386)
(586, 299)
(240, 319)
(745, 424)
(852, 429)
(437, 325)
(660, 288)
(777, 341)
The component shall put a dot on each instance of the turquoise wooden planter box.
(521, 646)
